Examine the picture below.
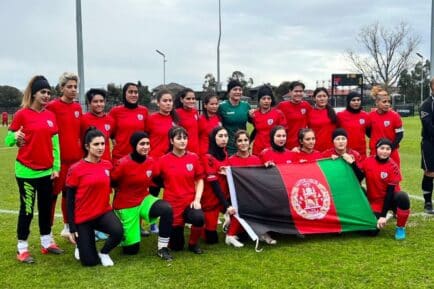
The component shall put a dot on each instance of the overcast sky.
(270, 41)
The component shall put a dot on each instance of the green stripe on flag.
(353, 209)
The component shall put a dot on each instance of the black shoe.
(428, 208)
(195, 249)
(164, 254)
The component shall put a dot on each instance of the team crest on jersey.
(148, 173)
(386, 123)
(189, 167)
(76, 114)
(310, 199)
(50, 123)
(196, 117)
(140, 116)
(362, 121)
(303, 111)
(423, 114)
(270, 121)
(383, 175)
(107, 127)
(107, 172)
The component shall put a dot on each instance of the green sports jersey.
(233, 118)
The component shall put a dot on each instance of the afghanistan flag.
(311, 198)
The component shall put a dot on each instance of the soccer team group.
(64, 152)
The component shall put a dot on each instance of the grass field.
(326, 261)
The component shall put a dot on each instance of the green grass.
(326, 261)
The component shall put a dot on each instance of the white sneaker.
(267, 239)
(232, 240)
(65, 233)
(76, 254)
(105, 260)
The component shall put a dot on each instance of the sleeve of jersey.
(56, 152)
(398, 124)
(112, 115)
(425, 115)
(282, 119)
(395, 175)
(264, 156)
(10, 139)
(199, 171)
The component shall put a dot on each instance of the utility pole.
(80, 54)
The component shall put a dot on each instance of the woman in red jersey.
(307, 151)
(340, 146)
(277, 153)
(132, 176)
(322, 119)
(383, 191)
(185, 104)
(96, 99)
(160, 122)
(68, 113)
(295, 111)
(182, 175)
(128, 118)
(264, 118)
(355, 121)
(88, 189)
(208, 121)
(35, 127)
(385, 123)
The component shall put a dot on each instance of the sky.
(270, 41)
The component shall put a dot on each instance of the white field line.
(16, 213)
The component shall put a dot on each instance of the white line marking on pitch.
(16, 213)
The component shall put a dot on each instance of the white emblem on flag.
(76, 114)
(107, 127)
(189, 167)
(362, 121)
(303, 111)
(270, 121)
(310, 199)
(383, 175)
(140, 116)
(386, 123)
(50, 123)
(148, 173)
(107, 172)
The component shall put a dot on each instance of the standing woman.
(208, 121)
(295, 111)
(385, 123)
(355, 121)
(322, 119)
(34, 126)
(307, 151)
(265, 118)
(185, 104)
(182, 175)
(68, 113)
(277, 153)
(234, 113)
(133, 175)
(96, 99)
(88, 189)
(160, 123)
(383, 191)
(128, 118)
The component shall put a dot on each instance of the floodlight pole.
(421, 77)
(218, 47)
(80, 54)
(164, 65)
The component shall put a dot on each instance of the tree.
(388, 53)
(10, 96)
(210, 83)
(144, 94)
(246, 83)
(281, 90)
(114, 95)
(409, 82)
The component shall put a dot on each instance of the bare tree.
(389, 52)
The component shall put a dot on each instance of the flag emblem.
(310, 199)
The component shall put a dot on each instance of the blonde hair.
(27, 95)
(67, 76)
(375, 90)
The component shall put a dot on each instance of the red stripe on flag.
(310, 199)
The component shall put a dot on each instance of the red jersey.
(68, 120)
(212, 167)
(263, 123)
(355, 125)
(104, 123)
(39, 128)
(205, 128)
(133, 180)
(304, 157)
(237, 161)
(296, 118)
(126, 122)
(158, 128)
(92, 182)
(323, 128)
(4, 116)
(285, 157)
(328, 154)
(384, 125)
(378, 176)
(188, 119)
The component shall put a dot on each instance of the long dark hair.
(173, 113)
(91, 133)
(330, 111)
(175, 131)
(272, 133)
(213, 149)
(206, 100)
(301, 133)
(178, 103)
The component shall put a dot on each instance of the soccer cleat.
(154, 229)
(400, 233)
(195, 249)
(25, 257)
(428, 208)
(232, 240)
(164, 254)
(76, 254)
(53, 249)
(100, 236)
(267, 239)
(106, 261)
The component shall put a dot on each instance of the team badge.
(383, 175)
(148, 173)
(423, 114)
(140, 116)
(189, 167)
(50, 123)
(76, 114)
(107, 172)
(107, 127)
(303, 111)
(386, 123)
(310, 199)
(362, 121)
(270, 121)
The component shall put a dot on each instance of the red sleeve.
(282, 119)
(398, 121)
(199, 170)
(72, 178)
(117, 171)
(394, 174)
(210, 167)
(264, 156)
(16, 121)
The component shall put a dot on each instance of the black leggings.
(107, 223)
(30, 189)
(191, 216)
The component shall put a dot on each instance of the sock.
(427, 187)
(195, 233)
(22, 246)
(162, 242)
(66, 227)
(46, 240)
(64, 210)
(402, 217)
